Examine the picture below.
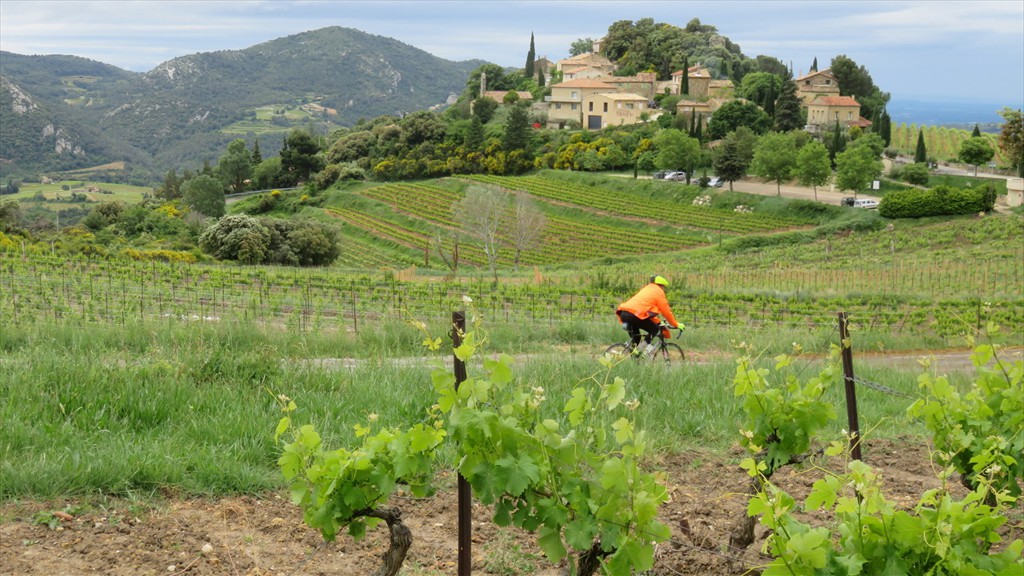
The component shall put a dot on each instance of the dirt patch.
(265, 535)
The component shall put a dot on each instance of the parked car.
(678, 176)
(865, 203)
(715, 182)
(660, 174)
(847, 201)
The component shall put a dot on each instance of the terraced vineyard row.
(564, 239)
(619, 203)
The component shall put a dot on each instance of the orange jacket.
(648, 301)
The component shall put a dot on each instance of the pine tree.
(257, 158)
(976, 133)
(530, 57)
(814, 65)
(475, 135)
(787, 108)
(921, 154)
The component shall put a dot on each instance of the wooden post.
(465, 492)
(851, 391)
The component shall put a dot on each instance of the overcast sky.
(939, 50)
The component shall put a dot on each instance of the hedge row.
(937, 201)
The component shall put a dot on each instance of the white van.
(865, 203)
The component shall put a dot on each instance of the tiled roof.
(836, 101)
(825, 72)
(617, 96)
(584, 83)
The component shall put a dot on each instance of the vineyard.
(165, 380)
(943, 143)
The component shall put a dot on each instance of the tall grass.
(138, 411)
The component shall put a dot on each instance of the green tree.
(884, 127)
(733, 156)
(774, 158)
(530, 57)
(172, 186)
(238, 237)
(813, 167)
(855, 81)
(736, 113)
(204, 194)
(676, 150)
(257, 156)
(581, 46)
(299, 158)
(484, 107)
(1011, 138)
(976, 133)
(788, 112)
(685, 86)
(856, 167)
(517, 129)
(814, 65)
(761, 88)
(10, 216)
(836, 142)
(921, 152)
(474, 140)
(975, 151)
(235, 167)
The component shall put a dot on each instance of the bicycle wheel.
(617, 351)
(672, 353)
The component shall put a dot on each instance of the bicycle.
(670, 352)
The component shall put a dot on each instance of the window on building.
(590, 106)
(605, 106)
(573, 106)
(849, 115)
(558, 106)
(629, 105)
(574, 94)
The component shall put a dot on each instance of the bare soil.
(265, 536)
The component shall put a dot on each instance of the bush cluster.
(252, 240)
(938, 201)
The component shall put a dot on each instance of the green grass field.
(55, 197)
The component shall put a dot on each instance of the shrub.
(915, 174)
(938, 201)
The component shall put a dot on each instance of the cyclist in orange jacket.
(641, 311)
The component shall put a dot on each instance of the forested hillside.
(62, 112)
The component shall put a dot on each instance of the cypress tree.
(257, 158)
(814, 65)
(837, 144)
(685, 88)
(540, 78)
(885, 127)
(693, 118)
(699, 131)
(921, 154)
(976, 133)
(530, 56)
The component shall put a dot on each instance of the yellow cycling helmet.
(660, 280)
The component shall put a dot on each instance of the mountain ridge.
(145, 117)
